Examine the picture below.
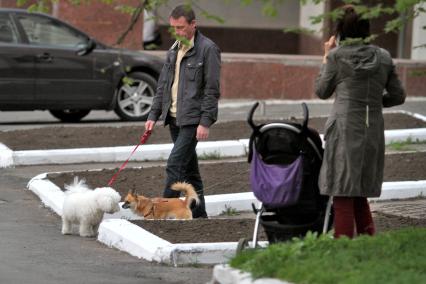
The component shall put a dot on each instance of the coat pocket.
(193, 70)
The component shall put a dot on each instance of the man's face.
(182, 27)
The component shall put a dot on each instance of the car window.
(8, 32)
(45, 31)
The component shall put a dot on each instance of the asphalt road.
(229, 110)
(32, 249)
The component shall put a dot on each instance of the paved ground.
(32, 250)
(405, 208)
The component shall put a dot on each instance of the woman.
(353, 163)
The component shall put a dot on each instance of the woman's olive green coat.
(363, 79)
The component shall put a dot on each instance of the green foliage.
(299, 31)
(229, 211)
(127, 81)
(126, 9)
(269, 9)
(394, 25)
(182, 39)
(352, 41)
(408, 144)
(246, 2)
(209, 16)
(21, 3)
(393, 257)
(333, 15)
(402, 10)
(152, 4)
(210, 156)
(39, 6)
(417, 73)
(406, 5)
(373, 12)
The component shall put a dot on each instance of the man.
(187, 100)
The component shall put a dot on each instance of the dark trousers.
(182, 165)
(351, 213)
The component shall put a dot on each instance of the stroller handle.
(250, 115)
(305, 116)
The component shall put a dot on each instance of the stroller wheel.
(243, 243)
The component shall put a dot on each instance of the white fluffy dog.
(86, 207)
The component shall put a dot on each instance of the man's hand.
(202, 132)
(149, 125)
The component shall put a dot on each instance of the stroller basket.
(280, 232)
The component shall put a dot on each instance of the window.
(45, 31)
(7, 30)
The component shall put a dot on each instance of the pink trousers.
(352, 213)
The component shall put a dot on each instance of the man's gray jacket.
(199, 88)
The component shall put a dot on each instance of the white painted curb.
(138, 242)
(224, 274)
(216, 204)
(226, 148)
(401, 135)
(116, 232)
(413, 114)
(125, 236)
(51, 195)
(6, 156)
(132, 239)
(402, 190)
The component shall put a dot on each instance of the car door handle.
(44, 57)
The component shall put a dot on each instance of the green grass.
(392, 257)
(229, 211)
(406, 145)
(215, 155)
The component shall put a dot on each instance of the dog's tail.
(77, 186)
(188, 189)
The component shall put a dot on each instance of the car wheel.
(134, 99)
(70, 115)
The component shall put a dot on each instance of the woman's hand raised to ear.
(328, 45)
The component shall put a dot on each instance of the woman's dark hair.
(350, 25)
(183, 11)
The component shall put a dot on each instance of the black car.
(46, 64)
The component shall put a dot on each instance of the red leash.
(143, 139)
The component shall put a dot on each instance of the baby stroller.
(285, 163)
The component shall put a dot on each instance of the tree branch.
(135, 17)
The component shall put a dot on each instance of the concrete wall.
(419, 36)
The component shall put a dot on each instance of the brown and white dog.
(163, 208)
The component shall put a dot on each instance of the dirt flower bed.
(222, 177)
(219, 177)
(88, 137)
(202, 230)
(231, 177)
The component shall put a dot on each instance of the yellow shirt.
(183, 49)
